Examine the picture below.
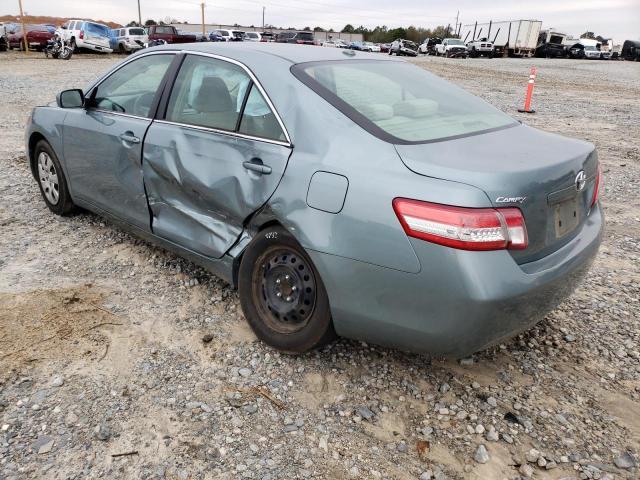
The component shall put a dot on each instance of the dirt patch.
(52, 325)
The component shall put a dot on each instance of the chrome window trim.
(255, 81)
(127, 62)
(225, 132)
(253, 78)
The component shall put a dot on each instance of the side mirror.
(73, 98)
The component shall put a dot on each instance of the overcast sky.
(619, 19)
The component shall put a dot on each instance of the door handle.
(256, 165)
(129, 137)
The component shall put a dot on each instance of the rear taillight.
(596, 188)
(463, 228)
(81, 34)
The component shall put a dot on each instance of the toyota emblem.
(581, 180)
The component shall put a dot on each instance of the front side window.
(132, 88)
(399, 102)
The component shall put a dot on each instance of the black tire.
(282, 295)
(73, 45)
(64, 205)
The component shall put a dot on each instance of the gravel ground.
(111, 346)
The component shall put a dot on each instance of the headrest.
(213, 96)
(376, 111)
(418, 107)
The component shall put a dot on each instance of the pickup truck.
(452, 47)
(480, 46)
(169, 34)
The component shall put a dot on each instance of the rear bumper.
(460, 301)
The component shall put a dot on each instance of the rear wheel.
(51, 179)
(282, 295)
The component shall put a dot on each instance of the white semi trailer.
(515, 38)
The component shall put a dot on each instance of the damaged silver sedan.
(342, 193)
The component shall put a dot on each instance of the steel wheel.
(284, 290)
(48, 178)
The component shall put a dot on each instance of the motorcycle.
(58, 48)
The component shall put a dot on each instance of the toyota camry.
(342, 193)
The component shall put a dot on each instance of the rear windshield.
(96, 29)
(305, 36)
(400, 102)
(136, 31)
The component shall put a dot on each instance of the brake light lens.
(81, 34)
(596, 188)
(463, 228)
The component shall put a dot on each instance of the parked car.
(428, 45)
(253, 37)
(404, 47)
(200, 37)
(226, 35)
(215, 36)
(452, 47)
(267, 37)
(631, 50)
(128, 39)
(300, 38)
(480, 47)
(357, 46)
(238, 35)
(83, 34)
(468, 227)
(372, 47)
(37, 37)
(551, 44)
(169, 34)
(329, 43)
(384, 47)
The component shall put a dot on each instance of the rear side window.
(212, 93)
(208, 93)
(399, 102)
(258, 120)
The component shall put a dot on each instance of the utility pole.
(263, 9)
(24, 30)
(202, 10)
(139, 15)
(457, 15)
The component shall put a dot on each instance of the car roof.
(254, 51)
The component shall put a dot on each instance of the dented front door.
(202, 185)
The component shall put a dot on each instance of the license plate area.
(566, 216)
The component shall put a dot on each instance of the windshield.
(305, 36)
(400, 102)
(454, 41)
(136, 31)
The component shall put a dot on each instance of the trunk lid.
(522, 167)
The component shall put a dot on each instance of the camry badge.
(581, 181)
(510, 199)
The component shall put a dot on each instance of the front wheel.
(282, 295)
(51, 179)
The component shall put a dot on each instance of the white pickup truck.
(452, 47)
(480, 47)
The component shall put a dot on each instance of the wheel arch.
(33, 140)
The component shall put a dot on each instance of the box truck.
(515, 38)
